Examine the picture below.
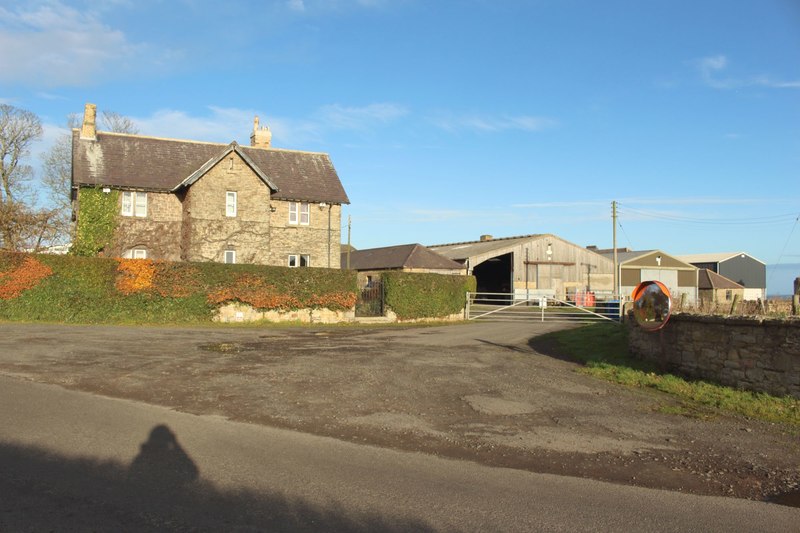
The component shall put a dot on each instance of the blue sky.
(447, 120)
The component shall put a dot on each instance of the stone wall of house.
(159, 232)
(757, 354)
(208, 233)
(320, 239)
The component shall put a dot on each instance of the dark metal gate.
(370, 299)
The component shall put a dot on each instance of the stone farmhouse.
(183, 200)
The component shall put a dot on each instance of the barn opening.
(495, 274)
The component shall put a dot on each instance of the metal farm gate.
(370, 299)
(504, 306)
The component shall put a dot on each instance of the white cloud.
(296, 5)
(490, 124)
(224, 124)
(712, 69)
(337, 116)
(55, 44)
(561, 205)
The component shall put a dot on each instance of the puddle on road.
(226, 347)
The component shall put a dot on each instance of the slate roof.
(708, 279)
(151, 163)
(397, 257)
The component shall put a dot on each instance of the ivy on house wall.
(97, 220)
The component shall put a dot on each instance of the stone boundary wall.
(756, 354)
(238, 312)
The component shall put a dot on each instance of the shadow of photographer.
(162, 462)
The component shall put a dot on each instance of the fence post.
(466, 307)
(735, 304)
(796, 297)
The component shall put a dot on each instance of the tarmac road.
(76, 461)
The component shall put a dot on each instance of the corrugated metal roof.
(624, 257)
(135, 161)
(463, 250)
(716, 257)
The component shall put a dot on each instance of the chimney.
(485, 238)
(592, 247)
(261, 137)
(89, 127)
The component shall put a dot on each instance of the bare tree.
(18, 129)
(114, 122)
(25, 228)
(57, 168)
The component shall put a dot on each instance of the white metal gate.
(507, 307)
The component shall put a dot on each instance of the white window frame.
(305, 213)
(299, 261)
(134, 204)
(135, 253)
(229, 254)
(127, 204)
(299, 213)
(230, 203)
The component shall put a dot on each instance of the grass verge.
(603, 349)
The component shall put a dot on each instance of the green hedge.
(414, 295)
(86, 290)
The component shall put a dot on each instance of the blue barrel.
(608, 308)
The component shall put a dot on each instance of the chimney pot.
(261, 136)
(89, 127)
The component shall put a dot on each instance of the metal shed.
(739, 267)
(679, 276)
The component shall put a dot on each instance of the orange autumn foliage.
(25, 275)
(134, 275)
(255, 291)
(336, 300)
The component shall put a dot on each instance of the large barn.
(532, 265)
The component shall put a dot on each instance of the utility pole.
(349, 221)
(615, 292)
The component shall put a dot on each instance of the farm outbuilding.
(532, 265)
(716, 289)
(635, 267)
(405, 258)
(739, 267)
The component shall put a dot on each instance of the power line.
(789, 238)
(770, 219)
(626, 236)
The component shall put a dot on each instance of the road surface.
(76, 461)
